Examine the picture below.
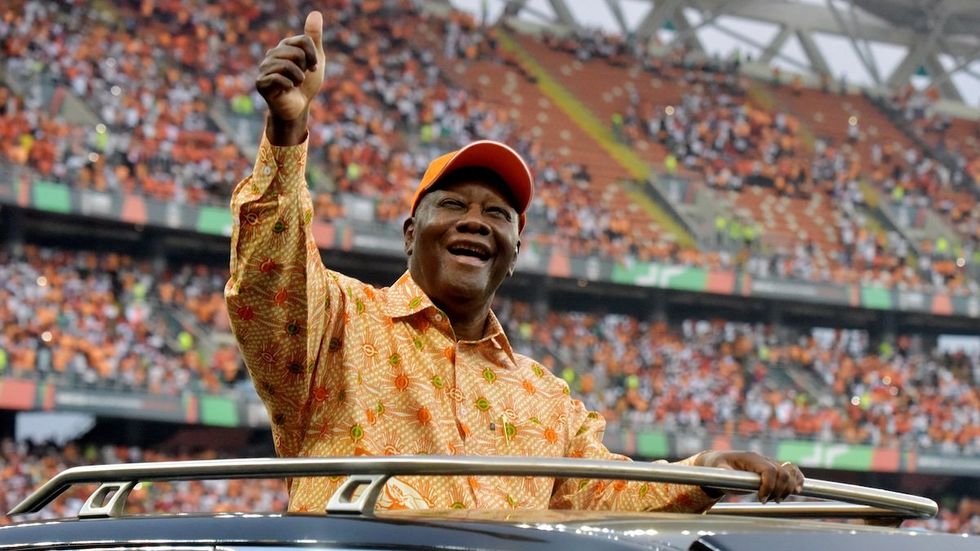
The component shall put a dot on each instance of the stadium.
(773, 246)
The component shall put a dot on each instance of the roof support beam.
(755, 43)
(862, 23)
(851, 34)
(816, 18)
(963, 62)
(813, 53)
(776, 44)
(687, 32)
(941, 78)
(516, 7)
(512, 8)
(923, 48)
(662, 11)
(868, 54)
(564, 14)
(618, 16)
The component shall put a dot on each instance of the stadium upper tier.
(174, 116)
(791, 161)
(106, 321)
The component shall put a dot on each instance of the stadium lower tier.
(113, 322)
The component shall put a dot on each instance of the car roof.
(524, 530)
(352, 522)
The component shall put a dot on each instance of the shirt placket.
(481, 412)
(448, 368)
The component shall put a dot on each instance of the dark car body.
(352, 523)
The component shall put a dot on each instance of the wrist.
(705, 458)
(283, 133)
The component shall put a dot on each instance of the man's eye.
(452, 203)
(499, 212)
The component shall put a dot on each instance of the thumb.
(314, 29)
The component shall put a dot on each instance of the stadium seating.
(165, 141)
(110, 321)
(113, 321)
(25, 466)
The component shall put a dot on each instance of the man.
(423, 366)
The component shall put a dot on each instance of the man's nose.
(472, 222)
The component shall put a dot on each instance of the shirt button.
(267, 170)
(438, 317)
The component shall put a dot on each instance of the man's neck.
(467, 315)
(469, 321)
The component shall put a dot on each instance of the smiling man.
(422, 366)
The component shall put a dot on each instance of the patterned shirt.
(348, 369)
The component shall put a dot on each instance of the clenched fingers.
(779, 481)
(299, 48)
(286, 65)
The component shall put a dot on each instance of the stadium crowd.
(389, 106)
(114, 321)
(959, 139)
(25, 466)
(713, 132)
(717, 376)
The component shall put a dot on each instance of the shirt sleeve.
(280, 298)
(586, 442)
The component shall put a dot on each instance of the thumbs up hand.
(289, 78)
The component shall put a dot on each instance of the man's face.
(463, 240)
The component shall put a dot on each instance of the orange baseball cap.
(487, 154)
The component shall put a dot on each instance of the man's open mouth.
(470, 250)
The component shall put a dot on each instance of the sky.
(836, 49)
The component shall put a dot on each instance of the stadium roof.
(878, 43)
(953, 16)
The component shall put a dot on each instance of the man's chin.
(465, 285)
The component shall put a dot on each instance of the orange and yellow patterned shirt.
(348, 369)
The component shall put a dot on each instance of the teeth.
(480, 253)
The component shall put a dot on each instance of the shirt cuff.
(284, 164)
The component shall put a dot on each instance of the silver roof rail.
(860, 501)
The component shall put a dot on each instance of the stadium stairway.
(827, 115)
(58, 98)
(804, 380)
(960, 131)
(812, 109)
(244, 131)
(605, 90)
(598, 138)
(206, 340)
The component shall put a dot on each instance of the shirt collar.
(495, 337)
(406, 298)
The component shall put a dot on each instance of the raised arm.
(278, 296)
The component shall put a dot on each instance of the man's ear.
(513, 263)
(408, 231)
